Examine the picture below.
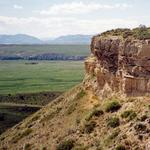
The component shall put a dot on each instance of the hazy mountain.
(71, 39)
(19, 39)
(27, 39)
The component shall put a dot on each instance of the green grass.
(18, 77)
(82, 50)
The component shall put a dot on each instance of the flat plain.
(25, 77)
(72, 50)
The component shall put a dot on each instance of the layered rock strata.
(119, 65)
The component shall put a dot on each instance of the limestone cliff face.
(119, 65)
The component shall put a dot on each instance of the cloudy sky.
(52, 18)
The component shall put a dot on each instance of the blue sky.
(52, 18)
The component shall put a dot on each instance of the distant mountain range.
(19, 39)
(26, 39)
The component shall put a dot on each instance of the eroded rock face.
(120, 65)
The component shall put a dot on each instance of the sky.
(53, 18)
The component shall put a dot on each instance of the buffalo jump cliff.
(109, 110)
(120, 64)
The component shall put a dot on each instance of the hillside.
(109, 110)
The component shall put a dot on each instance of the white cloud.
(80, 8)
(17, 6)
(56, 26)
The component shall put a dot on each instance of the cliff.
(110, 110)
(120, 64)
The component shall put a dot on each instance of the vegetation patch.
(89, 126)
(120, 147)
(112, 106)
(27, 146)
(143, 117)
(141, 33)
(66, 145)
(113, 122)
(53, 76)
(96, 112)
(129, 114)
(140, 127)
(80, 94)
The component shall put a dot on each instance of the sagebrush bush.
(112, 106)
(27, 146)
(66, 145)
(120, 147)
(140, 127)
(89, 126)
(94, 112)
(129, 114)
(113, 122)
(143, 117)
(80, 94)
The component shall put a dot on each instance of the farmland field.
(24, 77)
(73, 50)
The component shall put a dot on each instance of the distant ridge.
(71, 39)
(19, 39)
(27, 39)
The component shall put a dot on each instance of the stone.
(120, 65)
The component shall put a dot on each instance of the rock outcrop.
(119, 65)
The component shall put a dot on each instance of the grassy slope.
(71, 117)
(81, 50)
(17, 77)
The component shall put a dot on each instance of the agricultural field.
(26, 77)
(72, 50)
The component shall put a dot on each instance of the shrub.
(66, 145)
(113, 122)
(130, 114)
(80, 94)
(140, 127)
(144, 117)
(142, 33)
(95, 112)
(120, 147)
(89, 127)
(27, 146)
(112, 106)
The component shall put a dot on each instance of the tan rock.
(122, 65)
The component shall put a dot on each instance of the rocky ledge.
(120, 62)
